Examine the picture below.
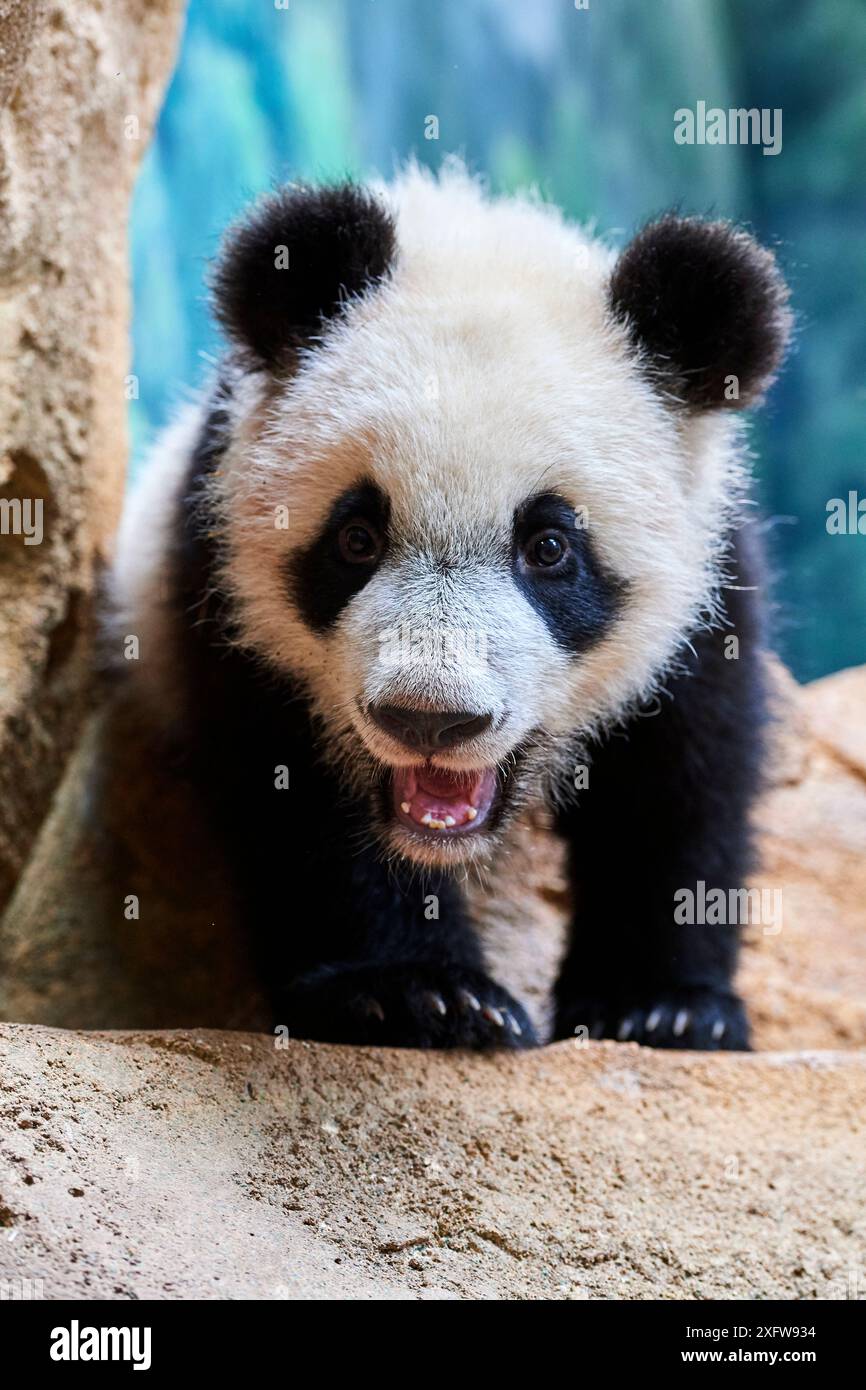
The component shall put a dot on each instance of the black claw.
(699, 1019)
(413, 1006)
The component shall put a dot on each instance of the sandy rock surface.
(80, 86)
(203, 1163)
(212, 1165)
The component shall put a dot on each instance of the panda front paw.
(406, 1005)
(704, 1020)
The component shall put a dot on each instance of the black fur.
(667, 806)
(340, 243)
(577, 599)
(703, 302)
(320, 580)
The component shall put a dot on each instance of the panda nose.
(429, 731)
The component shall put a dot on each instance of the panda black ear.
(293, 260)
(704, 303)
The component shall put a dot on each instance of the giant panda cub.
(459, 530)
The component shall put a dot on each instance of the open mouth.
(438, 802)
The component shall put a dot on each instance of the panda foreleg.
(386, 962)
(351, 949)
(664, 823)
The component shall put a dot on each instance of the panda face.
(464, 514)
(453, 646)
(495, 535)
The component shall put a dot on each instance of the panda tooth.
(471, 813)
(437, 824)
(449, 820)
(427, 818)
(405, 807)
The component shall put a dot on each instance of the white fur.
(141, 579)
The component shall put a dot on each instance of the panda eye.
(359, 543)
(545, 550)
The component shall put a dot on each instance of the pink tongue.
(445, 799)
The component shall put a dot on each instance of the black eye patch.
(321, 580)
(575, 596)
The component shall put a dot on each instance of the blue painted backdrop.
(580, 102)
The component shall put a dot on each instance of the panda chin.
(442, 803)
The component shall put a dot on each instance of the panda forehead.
(511, 369)
(454, 492)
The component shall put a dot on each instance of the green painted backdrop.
(580, 102)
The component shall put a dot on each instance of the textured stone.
(215, 1165)
(72, 80)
